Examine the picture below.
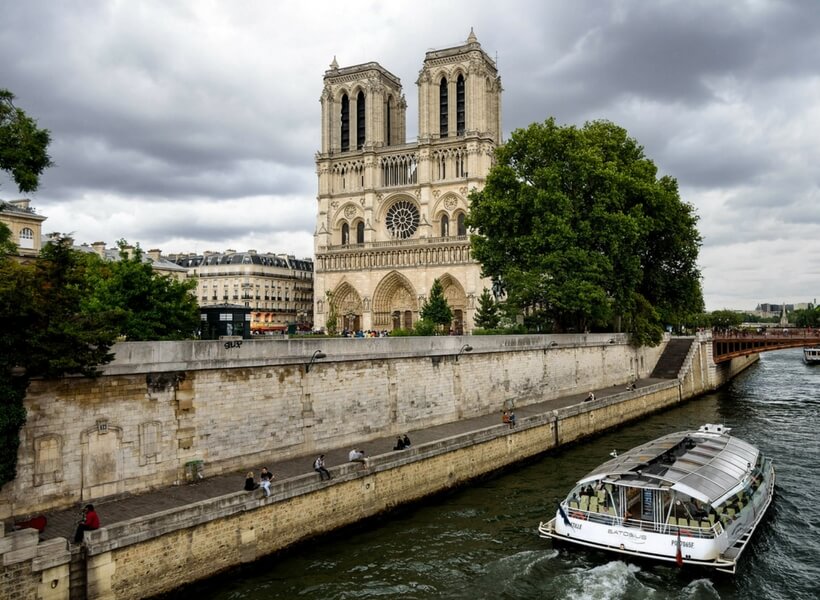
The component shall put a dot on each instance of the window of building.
(462, 226)
(26, 238)
(360, 232)
(442, 106)
(445, 226)
(460, 105)
(389, 112)
(345, 123)
(402, 219)
(345, 234)
(360, 121)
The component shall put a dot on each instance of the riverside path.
(62, 523)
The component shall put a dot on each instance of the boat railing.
(692, 530)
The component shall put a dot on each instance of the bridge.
(727, 345)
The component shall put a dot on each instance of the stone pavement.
(62, 523)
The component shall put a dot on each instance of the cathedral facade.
(391, 213)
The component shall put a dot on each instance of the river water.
(481, 542)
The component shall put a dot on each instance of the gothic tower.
(391, 214)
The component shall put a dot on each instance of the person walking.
(319, 467)
(512, 419)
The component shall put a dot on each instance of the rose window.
(402, 219)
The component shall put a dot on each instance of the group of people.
(508, 418)
(265, 477)
(402, 442)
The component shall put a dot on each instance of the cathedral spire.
(472, 39)
(334, 65)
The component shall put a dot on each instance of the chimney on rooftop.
(155, 254)
(99, 248)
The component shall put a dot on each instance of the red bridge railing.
(727, 345)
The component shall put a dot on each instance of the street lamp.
(464, 348)
(318, 354)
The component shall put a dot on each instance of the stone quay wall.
(160, 552)
(160, 406)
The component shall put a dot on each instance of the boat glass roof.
(701, 464)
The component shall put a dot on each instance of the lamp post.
(318, 354)
(464, 348)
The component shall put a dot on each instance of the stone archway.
(394, 302)
(348, 304)
(457, 299)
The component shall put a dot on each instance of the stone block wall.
(161, 405)
(33, 570)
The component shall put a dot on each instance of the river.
(481, 541)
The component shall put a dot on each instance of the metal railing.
(650, 526)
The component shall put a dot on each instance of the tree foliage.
(807, 317)
(725, 319)
(435, 308)
(486, 315)
(23, 145)
(332, 321)
(581, 234)
(147, 305)
(45, 333)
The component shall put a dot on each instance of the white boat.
(811, 355)
(692, 497)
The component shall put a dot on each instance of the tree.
(45, 333)
(23, 145)
(435, 308)
(486, 315)
(149, 306)
(725, 319)
(332, 321)
(581, 234)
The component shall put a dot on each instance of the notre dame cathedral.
(391, 213)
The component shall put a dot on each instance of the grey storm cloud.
(193, 125)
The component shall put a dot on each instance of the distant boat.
(692, 497)
(811, 355)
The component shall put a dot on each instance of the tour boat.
(691, 498)
(811, 355)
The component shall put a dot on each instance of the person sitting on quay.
(319, 467)
(90, 521)
(590, 397)
(512, 419)
(406, 441)
(265, 477)
(250, 482)
(505, 418)
(357, 456)
(399, 444)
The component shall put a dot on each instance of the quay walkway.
(62, 523)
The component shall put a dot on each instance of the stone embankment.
(161, 550)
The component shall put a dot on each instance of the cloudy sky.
(192, 125)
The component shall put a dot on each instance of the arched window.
(445, 226)
(360, 232)
(442, 107)
(388, 137)
(345, 234)
(360, 121)
(26, 238)
(462, 226)
(460, 105)
(345, 123)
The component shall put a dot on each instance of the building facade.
(391, 215)
(277, 288)
(25, 225)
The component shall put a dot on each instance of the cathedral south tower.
(391, 213)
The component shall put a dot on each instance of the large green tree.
(581, 233)
(148, 305)
(23, 145)
(45, 333)
(436, 309)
